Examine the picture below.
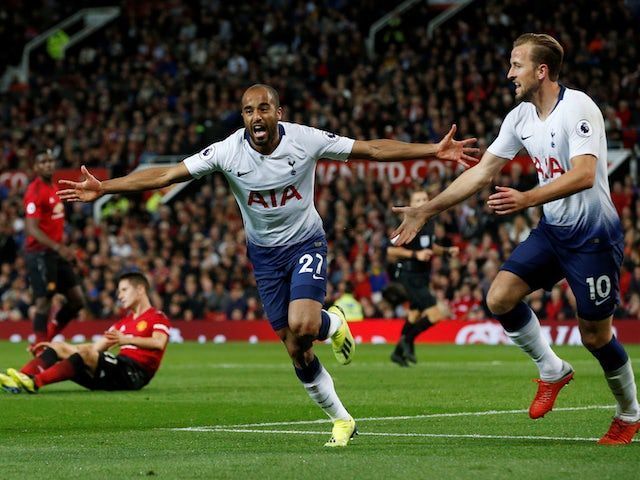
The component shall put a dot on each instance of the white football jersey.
(574, 127)
(275, 192)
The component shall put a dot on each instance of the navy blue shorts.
(594, 276)
(289, 273)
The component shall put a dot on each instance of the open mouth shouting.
(259, 132)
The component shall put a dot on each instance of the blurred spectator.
(346, 300)
(632, 307)
(237, 307)
(537, 303)
(122, 96)
(9, 312)
(557, 307)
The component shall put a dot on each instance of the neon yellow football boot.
(342, 432)
(8, 384)
(23, 380)
(342, 341)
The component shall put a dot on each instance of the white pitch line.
(402, 417)
(385, 434)
(389, 365)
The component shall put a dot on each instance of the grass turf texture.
(67, 432)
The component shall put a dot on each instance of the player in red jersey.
(142, 336)
(47, 258)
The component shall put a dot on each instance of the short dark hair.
(42, 155)
(348, 286)
(272, 91)
(136, 279)
(546, 50)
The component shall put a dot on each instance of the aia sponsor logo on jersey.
(548, 168)
(274, 198)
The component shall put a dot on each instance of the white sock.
(323, 392)
(623, 386)
(532, 342)
(334, 323)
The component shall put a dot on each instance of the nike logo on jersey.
(316, 277)
(240, 174)
(600, 302)
(524, 138)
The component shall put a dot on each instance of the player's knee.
(498, 302)
(594, 339)
(304, 325)
(435, 313)
(296, 328)
(63, 350)
(43, 304)
(86, 348)
(88, 353)
(59, 348)
(591, 341)
(413, 316)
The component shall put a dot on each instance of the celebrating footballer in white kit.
(270, 166)
(579, 238)
(574, 127)
(274, 192)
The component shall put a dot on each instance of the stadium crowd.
(166, 77)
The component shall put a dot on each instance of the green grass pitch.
(460, 413)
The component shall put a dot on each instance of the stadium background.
(165, 78)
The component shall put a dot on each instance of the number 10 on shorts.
(600, 286)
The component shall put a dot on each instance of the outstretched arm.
(460, 151)
(468, 183)
(581, 176)
(147, 179)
